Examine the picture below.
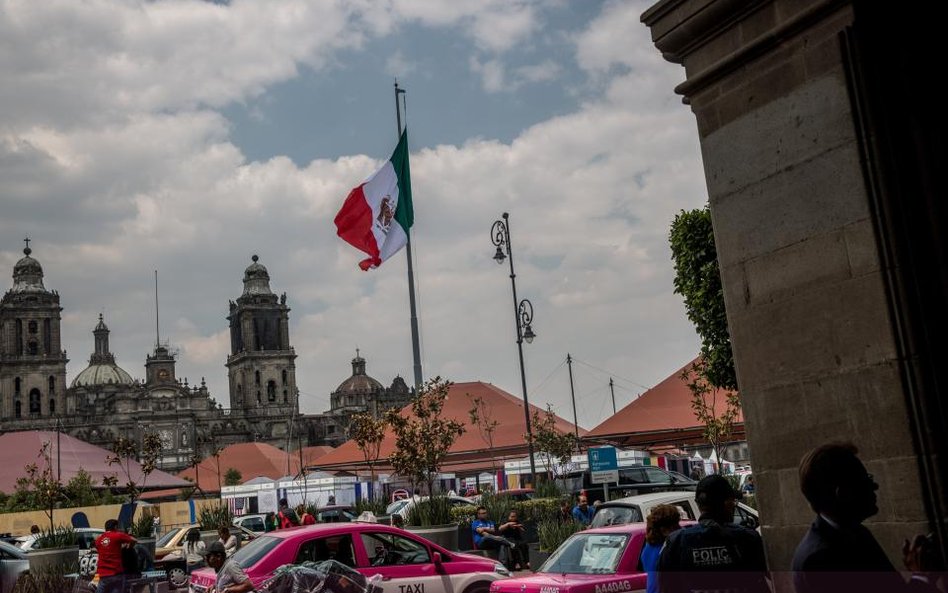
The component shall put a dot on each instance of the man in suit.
(839, 553)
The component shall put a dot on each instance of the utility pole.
(613, 392)
(572, 394)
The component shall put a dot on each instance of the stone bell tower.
(261, 366)
(32, 361)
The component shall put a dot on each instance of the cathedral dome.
(359, 382)
(256, 278)
(102, 374)
(102, 369)
(28, 274)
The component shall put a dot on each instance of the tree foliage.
(368, 433)
(232, 477)
(698, 281)
(555, 448)
(423, 439)
(482, 417)
(716, 409)
(40, 488)
(124, 454)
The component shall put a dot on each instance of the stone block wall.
(806, 299)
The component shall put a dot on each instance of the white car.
(635, 509)
(254, 523)
(402, 507)
(85, 539)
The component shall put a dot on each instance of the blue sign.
(602, 459)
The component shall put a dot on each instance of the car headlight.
(501, 570)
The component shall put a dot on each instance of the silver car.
(13, 563)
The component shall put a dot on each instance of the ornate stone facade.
(105, 402)
(357, 394)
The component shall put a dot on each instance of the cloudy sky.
(185, 136)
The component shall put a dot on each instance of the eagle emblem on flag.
(386, 214)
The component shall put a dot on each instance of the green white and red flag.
(377, 214)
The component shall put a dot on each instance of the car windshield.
(617, 515)
(166, 538)
(587, 553)
(396, 506)
(250, 554)
(680, 477)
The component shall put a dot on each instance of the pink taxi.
(406, 563)
(604, 560)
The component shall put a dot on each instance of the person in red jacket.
(305, 517)
(109, 546)
(287, 516)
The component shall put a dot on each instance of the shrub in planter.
(431, 519)
(213, 517)
(538, 509)
(143, 527)
(553, 533)
(55, 549)
(464, 513)
(376, 507)
(435, 510)
(57, 537)
(548, 489)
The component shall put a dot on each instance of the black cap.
(713, 490)
(215, 548)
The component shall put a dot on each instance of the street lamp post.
(523, 318)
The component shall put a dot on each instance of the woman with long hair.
(660, 523)
(193, 550)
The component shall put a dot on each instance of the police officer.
(715, 554)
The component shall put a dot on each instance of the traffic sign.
(602, 459)
(604, 477)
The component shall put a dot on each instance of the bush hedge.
(497, 507)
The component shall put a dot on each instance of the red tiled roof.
(470, 450)
(18, 449)
(311, 454)
(252, 460)
(660, 416)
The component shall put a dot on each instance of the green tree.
(554, 448)
(482, 417)
(711, 379)
(423, 439)
(717, 409)
(698, 281)
(80, 490)
(124, 454)
(368, 433)
(40, 488)
(232, 477)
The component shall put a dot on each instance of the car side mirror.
(436, 558)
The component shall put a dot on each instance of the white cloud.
(542, 72)
(494, 25)
(116, 159)
(493, 74)
(398, 65)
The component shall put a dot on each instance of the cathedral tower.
(261, 364)
(32, 361)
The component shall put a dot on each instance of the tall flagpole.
(415, 349)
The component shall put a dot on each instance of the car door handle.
(386, 578)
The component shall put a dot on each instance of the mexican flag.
(377, 214)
